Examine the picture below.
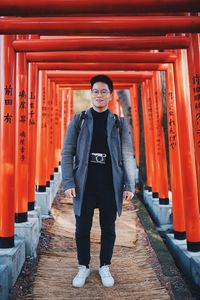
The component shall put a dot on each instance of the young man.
(98, 170)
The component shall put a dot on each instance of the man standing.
(98, 170)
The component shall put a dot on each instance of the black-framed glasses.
(102, 92)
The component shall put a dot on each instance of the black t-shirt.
(99, 174)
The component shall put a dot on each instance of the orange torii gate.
(146, 57)
(100, 38)
(69, 78)
(153, 42)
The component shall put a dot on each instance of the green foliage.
(82, 100)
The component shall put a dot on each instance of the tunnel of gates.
(48, 50)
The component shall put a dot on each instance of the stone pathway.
(132, 267)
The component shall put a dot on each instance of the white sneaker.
(106, 277)
(80, 278)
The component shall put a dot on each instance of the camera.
(98, 158)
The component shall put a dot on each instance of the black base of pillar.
(55, 169)
(21, 217)
(155, 195)
(149, 188)
(41, 188)
(31, 206)
(51, 177)
(193, 246)
(179, 235)
(164, 201)
(7, 242)
(48, 183)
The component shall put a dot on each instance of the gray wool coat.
(75, 156)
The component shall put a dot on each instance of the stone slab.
(43, 201)
(3, 282)
(14, 259)
(30, 233)
(189, 262)
(52, 186)
(161, 214)
(57, 180)
(36, 213)
(195, 269)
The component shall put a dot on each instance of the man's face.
(101, 96)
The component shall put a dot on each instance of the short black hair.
(104, 79)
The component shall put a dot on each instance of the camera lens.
(99, 158)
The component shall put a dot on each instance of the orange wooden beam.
(66, 7)
(101, 56)
(87, 74)
(104, 67)
(102, 43)
(86, 86)
(98, 25)
(84, 77)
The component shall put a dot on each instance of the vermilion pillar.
(64, 94)
(194, 72)
(7, 140)
(48, 131)
(155, 183)
(113, 105)
(147, 135)
(150, 132)
(59, 95)
(155, 178)
(175, 161)
(160, 157)
(32, 126)
(135, 121)
(56, 125)
(120, 112)
(188, 167)
(21, 143)
(41, 153)
(51, 109)
(67, 110)
(71, 101)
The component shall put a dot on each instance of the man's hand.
(70, 193)
(127, 196)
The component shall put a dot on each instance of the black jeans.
(105, 201)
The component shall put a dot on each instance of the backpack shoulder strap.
(81, 120)
(118, 123)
